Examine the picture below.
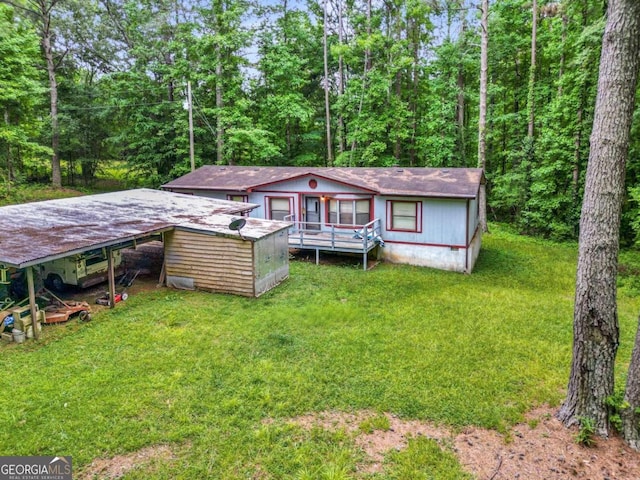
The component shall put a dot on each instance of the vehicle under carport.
(39, 232)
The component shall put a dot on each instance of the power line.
(202, 115)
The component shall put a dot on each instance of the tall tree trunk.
(565, 21)
(595, 325)
(413, 33)
(460, 104)
(45, 17)
(341, 127)
(9, 159)
(532, 70)
(397, 148)
(482, 116)
(367, 67)
(367, 53)
(629, 414)
(327, 107)
(219, 107)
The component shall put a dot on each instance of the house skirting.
(444, 257)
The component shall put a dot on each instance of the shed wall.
(473, 218)
(271, 256)
(212, 263)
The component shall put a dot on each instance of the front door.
(312, 213)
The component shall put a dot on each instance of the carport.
(39, 232)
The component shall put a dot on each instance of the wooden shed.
(217, 259)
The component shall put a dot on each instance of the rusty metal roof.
(33, 233)
(398, 181)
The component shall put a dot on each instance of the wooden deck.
(336, 240)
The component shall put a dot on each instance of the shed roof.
(33, 233)
(423, 182)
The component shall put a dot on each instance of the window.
(278, 208)
(238, 198)
(405, 216)
(349, 212)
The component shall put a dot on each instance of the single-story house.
(418, 216)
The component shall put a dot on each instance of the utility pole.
(190, 104)
(326, 88)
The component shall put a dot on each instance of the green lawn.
(202, 372)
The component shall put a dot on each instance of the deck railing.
(316, 235)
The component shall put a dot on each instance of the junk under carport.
(200, 248)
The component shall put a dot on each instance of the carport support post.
(32, 303)
(112, 279)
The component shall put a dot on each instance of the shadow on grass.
(498, 261)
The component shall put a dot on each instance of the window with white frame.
(279, 208)
(404, 216)
(349, 212)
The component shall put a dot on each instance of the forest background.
(94, 82)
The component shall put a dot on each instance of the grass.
(110, 177)
(202, 372)
(33, 193)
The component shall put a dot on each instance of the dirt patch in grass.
(376, 443)
(120, 465)
(540, 448)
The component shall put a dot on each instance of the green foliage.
(20, 91)
(401, 92)
(586, 432)
(634, 212)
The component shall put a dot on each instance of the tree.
(327, 106)
(482, 114)
(41, 12)
(630, 412)
(532, 71)
(595, 337)
(216, 64)
(290, 75)
(146, 96)
(20, 89)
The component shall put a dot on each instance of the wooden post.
(112, 279)
(32, 303)
(163, 274)
(191, 149)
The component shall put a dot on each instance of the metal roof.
(33, 233)
(398, 181)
